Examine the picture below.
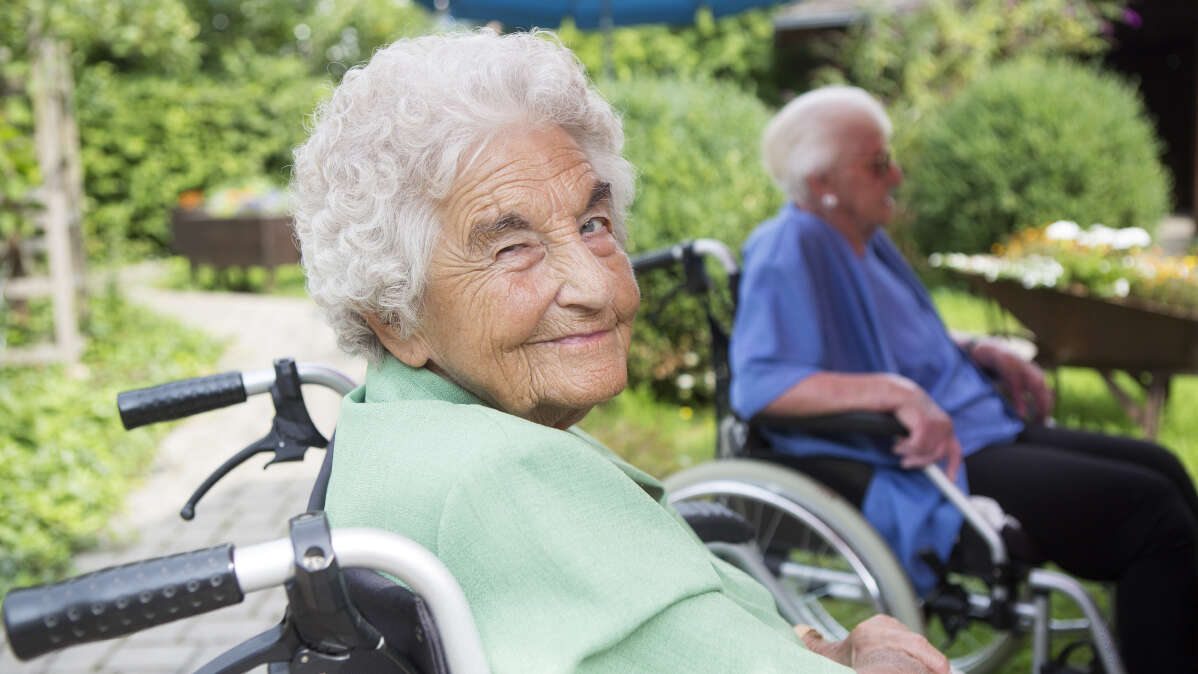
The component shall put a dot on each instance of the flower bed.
(1110, 264)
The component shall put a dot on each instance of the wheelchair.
(830, 568)
(342, 614)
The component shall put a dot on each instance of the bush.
(1028, 143)
(65, 461)
(146, 139)
(736, 48)
(694, 144)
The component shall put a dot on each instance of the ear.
(817, 184)
(411, 350)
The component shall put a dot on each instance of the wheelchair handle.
(183, 398)
(664, 257)
(124, 599)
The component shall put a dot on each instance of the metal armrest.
(886, 424)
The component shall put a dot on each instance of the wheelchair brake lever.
(291, 432)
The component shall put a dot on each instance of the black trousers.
(1102, 507)
(1111, 509)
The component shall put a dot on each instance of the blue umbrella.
(588, 14)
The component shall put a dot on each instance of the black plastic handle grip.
(119, 600)
(178, 399)
(656, 259)
(871, 423)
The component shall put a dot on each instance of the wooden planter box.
(1151, 342)
(244, 241)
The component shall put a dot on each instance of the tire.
(801, 520)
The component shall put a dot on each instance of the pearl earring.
(829, 201)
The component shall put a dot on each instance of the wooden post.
(56, 139)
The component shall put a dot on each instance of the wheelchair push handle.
(183, 398)
(124, 599)
(119, 600)
(178, 399)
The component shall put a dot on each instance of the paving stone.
(147, 659)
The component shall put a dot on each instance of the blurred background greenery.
(1003, 112)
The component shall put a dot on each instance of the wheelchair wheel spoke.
(766, 537)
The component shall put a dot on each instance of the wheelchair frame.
(1004, 605)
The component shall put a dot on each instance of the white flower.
(935, 259)
(1122, 287)
(1062, 230)
(1131, 237)
(685, 381)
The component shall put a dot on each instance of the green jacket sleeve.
(571, 566)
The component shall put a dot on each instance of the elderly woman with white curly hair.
(460, 209)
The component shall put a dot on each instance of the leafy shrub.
(735, 48)
(1033, 142)
(65, 461)
(146, 139)
(694, 144)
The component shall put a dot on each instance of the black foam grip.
(872, 423)
(655, 259)
(178, 399)
(119, 600)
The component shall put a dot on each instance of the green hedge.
(146, 139)
(1028, 143)
(694, 145)
(65, 461)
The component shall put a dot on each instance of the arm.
(1024, 381)
(930, 430)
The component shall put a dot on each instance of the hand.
(930, 434)
(880, 644)
(1022, 380)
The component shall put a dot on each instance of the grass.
(289, 278)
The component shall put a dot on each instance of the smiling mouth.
(579, 338)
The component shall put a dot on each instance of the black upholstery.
(399, 614)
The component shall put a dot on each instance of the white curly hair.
(386, 148)
(804, 138)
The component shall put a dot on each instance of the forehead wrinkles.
(534, 185)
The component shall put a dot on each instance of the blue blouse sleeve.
(777, 336)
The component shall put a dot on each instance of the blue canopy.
(588, 14)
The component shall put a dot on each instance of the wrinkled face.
(865, 175)
(530, 298)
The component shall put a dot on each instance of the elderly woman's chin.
(570, 376)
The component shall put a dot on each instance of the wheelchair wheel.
(836, 568)
(835, 565)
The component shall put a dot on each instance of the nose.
(586, 283)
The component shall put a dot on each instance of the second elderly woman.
(460, 209)
(832, 319)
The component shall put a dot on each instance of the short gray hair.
(804, 138)
(386, 147)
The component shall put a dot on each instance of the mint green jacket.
(570, 558)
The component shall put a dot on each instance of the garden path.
(248, 506)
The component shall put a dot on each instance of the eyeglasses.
(880, 164)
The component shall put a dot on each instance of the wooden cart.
(1151, 342)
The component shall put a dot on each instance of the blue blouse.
(808, 304)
